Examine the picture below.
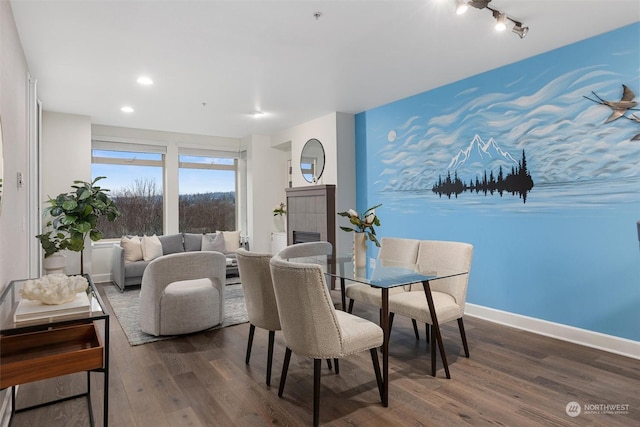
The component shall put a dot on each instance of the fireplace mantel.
(312, 209)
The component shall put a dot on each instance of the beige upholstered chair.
(311, 325)
(183, 293)
(391, 249)
(255, 276)
(449, 295)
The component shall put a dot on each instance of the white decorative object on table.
(363, 230)
(359, 250)
(54, 289)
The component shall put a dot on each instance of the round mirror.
(312, 160)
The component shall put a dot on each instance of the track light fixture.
(501, 18)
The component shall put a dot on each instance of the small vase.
(359, 250)
(280, 222)
(54, 264)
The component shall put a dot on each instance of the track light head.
(520, 30)
(501, 20)
(461, 6)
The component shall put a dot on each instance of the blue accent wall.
(537, 164)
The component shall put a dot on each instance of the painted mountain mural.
(487, 169)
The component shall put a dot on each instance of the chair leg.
(252, 329)
(329, 364)
(317, 366)
(335, 362)
(272, 336)
(376, 369)
(433, 352)
(350, 309)
(391, 316)
(426, 331)
(464, 337)
(285, 368)
(415, 328)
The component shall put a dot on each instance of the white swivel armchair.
(183, 293)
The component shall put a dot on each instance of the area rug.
(126, 307)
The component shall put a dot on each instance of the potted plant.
(363, 229)
(74, 217)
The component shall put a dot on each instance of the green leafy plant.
(280, 209)
(74, 216)
(364, 224)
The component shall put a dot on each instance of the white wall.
(336, 132)
(14, 210)
(65, 157)
(266, 182)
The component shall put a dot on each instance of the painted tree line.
(141, 206)
(518, 181)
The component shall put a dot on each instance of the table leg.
(385, 347)
(342, 294)
(436, 326)
(105, 399)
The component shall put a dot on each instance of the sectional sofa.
(127, 269)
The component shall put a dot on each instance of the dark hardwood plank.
(513, 378)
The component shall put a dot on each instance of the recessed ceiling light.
(127, 109)
(257, 114)
(144, 80)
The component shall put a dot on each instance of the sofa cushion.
(231, 240)
(171, 244)
(132, 248)
(151, 247)
(213, 242)
(135, 269)
(192, 242)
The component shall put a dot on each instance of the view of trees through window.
(206, 200)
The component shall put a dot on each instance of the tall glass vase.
(359, 250)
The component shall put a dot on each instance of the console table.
(49, 348)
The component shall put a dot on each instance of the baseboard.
(101, 278)
(610, 343)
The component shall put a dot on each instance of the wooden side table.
(49, 348)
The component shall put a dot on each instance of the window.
(207, 191)
(134, 179)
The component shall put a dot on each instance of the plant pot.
(280, 222)
(54, 264)
(359, 250)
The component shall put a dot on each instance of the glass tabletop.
(10, 299)
(381, 273)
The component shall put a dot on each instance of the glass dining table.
(384, 275)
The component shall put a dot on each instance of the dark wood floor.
(513, 378)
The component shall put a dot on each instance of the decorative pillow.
(171, 243)
(231, 240)
(192, 242)
(213, 242)
(151, 247)
(132, 248)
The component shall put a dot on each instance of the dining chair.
(449, 294)
(310, 250)
(391, 249)
(259, 298)
(311, 325)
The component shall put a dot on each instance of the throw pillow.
(132, 248)
(231, 240)
(171, 244)
(151, 247)
(213, 242)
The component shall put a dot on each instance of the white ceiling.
(240, 56)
